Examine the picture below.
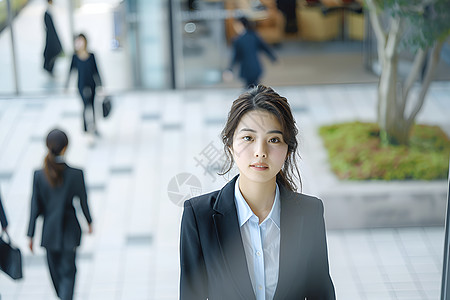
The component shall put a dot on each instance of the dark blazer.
(3, 220)
(60, 230)
(245, 52)
(88, 75)
(212, 256)
(53, 45)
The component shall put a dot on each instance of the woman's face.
(80, 44)
(258, 149)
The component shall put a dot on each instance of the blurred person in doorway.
(53, 46)
(54, 187)
(88, 80)
(246, 47)
(289, 10)
(3, 220)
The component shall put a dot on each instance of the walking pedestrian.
(54, 188)
(88, 80)
(53, 46)
(246, 48)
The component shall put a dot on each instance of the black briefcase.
(10, 257)
(106, 106)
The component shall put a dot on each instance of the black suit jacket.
(52, 43)
(212, 256)
(60, 230)
(3, 220)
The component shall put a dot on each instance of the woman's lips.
(259, 167)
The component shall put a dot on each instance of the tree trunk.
(431, 65)
(390, 115)
(393, 96)
(394, 122)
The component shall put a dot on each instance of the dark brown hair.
(53, 166)
(265, 98)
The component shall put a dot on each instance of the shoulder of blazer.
(220, 201)
(203, 202)
(303, 201)
(39, 174)
(72, 170)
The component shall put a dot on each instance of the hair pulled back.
(53, 164)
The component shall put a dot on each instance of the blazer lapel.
(229, 236)
(291, 230)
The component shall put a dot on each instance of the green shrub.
(355, 152)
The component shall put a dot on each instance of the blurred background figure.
(88, 80)
(246, 47)
(53, 46)
(3, 220)
(54, 188)
(289, 10)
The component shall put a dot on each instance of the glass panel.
(7, 84)
(153, 35)
(204, 49)
(30, 40)
(103, 23)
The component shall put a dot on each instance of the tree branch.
(431, 67)
(388, 80)
(416, 68)
(378, 29)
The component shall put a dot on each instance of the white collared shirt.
(261, 244)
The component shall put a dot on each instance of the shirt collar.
(245, 213)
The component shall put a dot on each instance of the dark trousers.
(62, 271)
(88, 95)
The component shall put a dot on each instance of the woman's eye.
(274, 140)
(247, 138)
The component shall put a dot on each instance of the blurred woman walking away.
(54, 188)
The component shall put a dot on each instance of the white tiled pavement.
(150, 138)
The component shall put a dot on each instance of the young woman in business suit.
(256, 238)
(54, 188)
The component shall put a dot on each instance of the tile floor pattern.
(150, 138)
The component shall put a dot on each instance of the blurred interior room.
(182, 44)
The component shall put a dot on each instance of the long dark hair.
(53, 165)
(265, 98)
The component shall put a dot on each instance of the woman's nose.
(260, 150)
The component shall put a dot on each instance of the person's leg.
(86, 95)
(53, 260)
(85, 110)
(93, 111)
(68, 270)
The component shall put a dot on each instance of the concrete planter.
(385, 204)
